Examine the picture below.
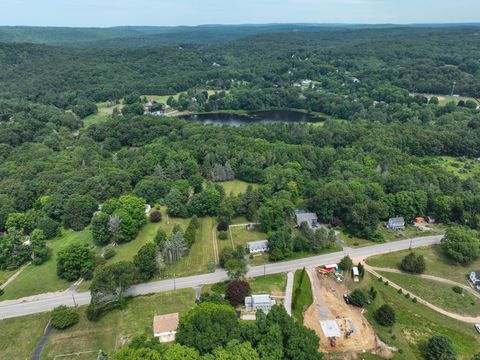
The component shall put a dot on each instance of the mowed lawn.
(104, 111)
(199, 256)
(20, 336)
(437, 263)
(416, 323)
(437, 293)
(43, 278)
(268, 284)
(236, 187)
(302, 296)
(241, 236)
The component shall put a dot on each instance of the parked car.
(477, 327)
(346, 298)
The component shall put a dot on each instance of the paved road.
(46, 302)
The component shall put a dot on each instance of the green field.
(437, 263)
(302, 296)
(416, 324)
(199, 256)
(104, 111)
(442, 100)
(461, 167)
(437, 293)
(268, 284)
(236, 187)
(43, 278)
(19, 336)
(4, 275)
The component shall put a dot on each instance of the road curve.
(46, 302)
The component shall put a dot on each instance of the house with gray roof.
(311, 219)
(475, 279)
(397, 223)
(259, 246)
(259, 302)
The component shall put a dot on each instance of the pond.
(258, 117)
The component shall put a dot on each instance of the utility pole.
(74, 302)
(453, 87)
(174, 283)
(264, 269)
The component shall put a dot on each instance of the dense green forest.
(377, 157)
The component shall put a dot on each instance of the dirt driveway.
(328, 304)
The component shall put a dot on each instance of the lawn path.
(467, 319)
(430, 277)
(14, 276)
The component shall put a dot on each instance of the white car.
(477, 327)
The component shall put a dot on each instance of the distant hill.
(141, 36)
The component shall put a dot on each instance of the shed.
(397, 223)
(165, 327)
(259, 246)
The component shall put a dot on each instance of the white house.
(259, 246)
(475, 279)
(397, 223)
(165, 327)
(259, 302)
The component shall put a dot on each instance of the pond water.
(258, 117)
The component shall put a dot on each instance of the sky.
(105, 13)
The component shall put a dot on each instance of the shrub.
(222, 226)
(155, 216)
(380, 279)
(385, 315)
(160, 238)
(413, 263)
(109, 252)
(457, 289)
(346, 263)
(440, 347)
(414, 300)
(2, 292)
(386, 283)
(219, 288)
(373, 293)
(237, 291)
(222, 235)
(64, 317)
(358, 298)
(407, 295)
(400, 291)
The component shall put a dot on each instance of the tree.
(146, 261)
(180, 352)
(280, 244)
(235, 350)
(155, 216)
(75, 261)
(385, 315)
(78, 211)
(236, 269)
(205, 203)
(63, 317)
(440, 347)
(176, 201)
(413, 263)
(208, 326)
(175, 247)
(237, 291)
(114, 226)
(160, 238)
(50, 227)
(13, 251)
(346, 264)
(39, 252)
(358, 298)
(476, 356)
(433, 100)
(108, 287)
(191, 232)
(100, 231)
(461, 244)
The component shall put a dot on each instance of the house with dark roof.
(397, 223)
(311, 219)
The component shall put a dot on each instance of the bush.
(440, 347)
(222, 235)
(2, 292)
(413, 263)
(64, 317)
(358, 298)
(380, 279)
(237, 291)
(414, 300)
(219, 288)
(407, 295)
(155, 216)
(400, 291)
(386, 283)
(109, 252)
(457, 289)
(346, 263)
(385, 315)
(160, 238)
(373, 293)
(222, 226)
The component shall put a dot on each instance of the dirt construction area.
(337, 323)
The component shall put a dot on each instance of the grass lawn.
(302, 294)
(353, 241)
(437, 293)
(442, 100)
(199, 256)
(236, 187)
(437, 263)
(104, 111)
(20, 336)
(416, 324)
(117, 327)
(41, 279)
(4, 275)
(241, 236)
(268, 284)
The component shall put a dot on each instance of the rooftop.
(165, 323)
